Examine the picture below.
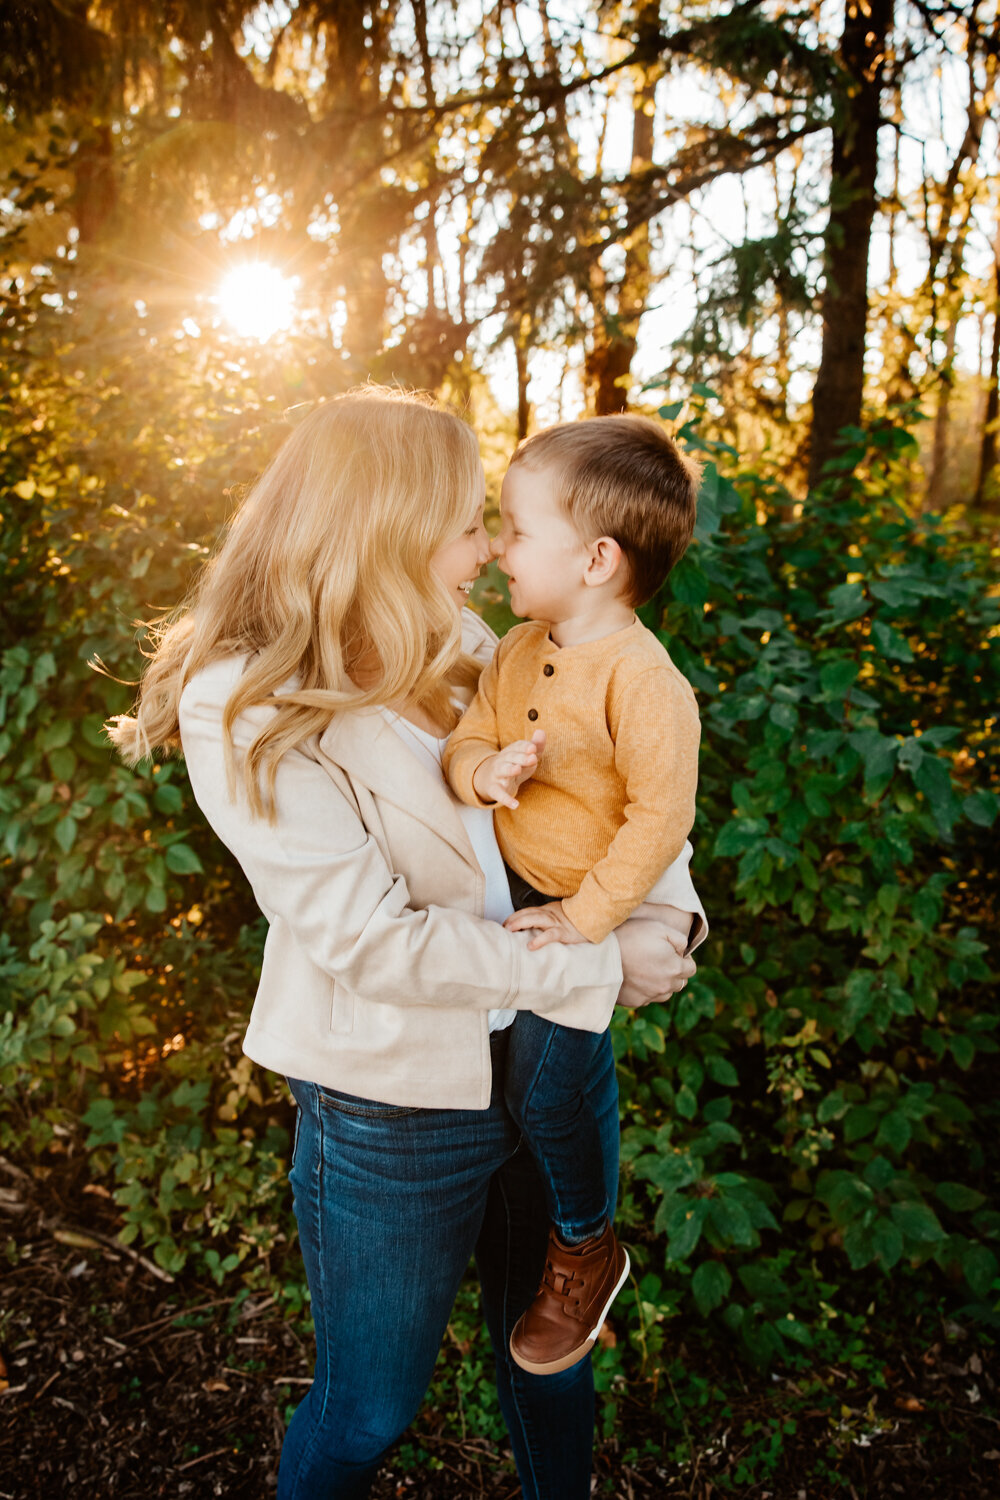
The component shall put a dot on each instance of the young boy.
(584, 737)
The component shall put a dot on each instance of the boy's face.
(539, 548)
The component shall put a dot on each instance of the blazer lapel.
(372, 753)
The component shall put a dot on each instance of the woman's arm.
(675, 902)
(319, 871)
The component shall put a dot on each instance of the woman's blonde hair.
(325, 567)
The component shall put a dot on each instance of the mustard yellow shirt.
(612, 801)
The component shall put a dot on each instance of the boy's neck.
(592, 622)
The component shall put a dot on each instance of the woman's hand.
(653, 963)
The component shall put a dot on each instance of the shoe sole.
(552, 1367)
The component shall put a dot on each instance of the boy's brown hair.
(623, 477)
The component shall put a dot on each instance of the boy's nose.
(496, 547)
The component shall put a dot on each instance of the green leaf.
(691, 1073)
(731, 1222)
(918, 1224)
(684, 1227)
(859, 1243)
(861, 1121)
(958, 1197)
(65, 833)
(878, 752)
(886, 1242)
(156, 899)
(62, 763)
(721, 1071)
(894, 1131)
(837, 678)
(182, 860)
(689, 584)
(847, 602)
(56, 735)
(44, 668)
(981, 808)
(933, 778)
(739, 834)
(979, 1267)
(888, 899)
(686, 1103)
(890, 643)
(168, 798)
(710, 1285)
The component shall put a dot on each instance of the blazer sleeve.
(318, 869)
(676, 888)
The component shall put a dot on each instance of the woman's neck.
(416, 714)
(365, 674)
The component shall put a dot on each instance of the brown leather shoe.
(578, 1287)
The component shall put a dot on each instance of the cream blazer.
(379, 967)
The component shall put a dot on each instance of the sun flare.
(257, 300)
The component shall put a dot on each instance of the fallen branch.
(85, 1239)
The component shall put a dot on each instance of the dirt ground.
(117, 1383)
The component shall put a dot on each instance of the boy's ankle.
(576, 1241)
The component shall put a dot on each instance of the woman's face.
(459, 561)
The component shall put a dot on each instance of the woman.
(311, 680)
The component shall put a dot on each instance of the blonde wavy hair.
(325, 569)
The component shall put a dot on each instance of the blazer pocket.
(341, 1011)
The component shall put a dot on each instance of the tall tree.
(839, 384)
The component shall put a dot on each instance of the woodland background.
(777, 225)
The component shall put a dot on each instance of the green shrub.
(817, 1091)
(813, 1112)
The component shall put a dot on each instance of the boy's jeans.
(547, 1069)
(391, 1204)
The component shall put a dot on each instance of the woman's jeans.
(391, 1204)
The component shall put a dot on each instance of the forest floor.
(120, 1384)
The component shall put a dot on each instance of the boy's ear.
(605, 561)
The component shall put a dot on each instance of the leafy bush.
(813, 1111)
(818, 1088)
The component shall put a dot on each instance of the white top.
(478, 823)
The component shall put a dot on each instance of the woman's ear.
(604, 562)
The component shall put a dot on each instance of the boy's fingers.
(549, 935)
(531, 916)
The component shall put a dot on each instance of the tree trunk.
(840, 381)
(609, 361)
(988, 447)
(521, 359)
(934, 496)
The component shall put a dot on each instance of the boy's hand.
(497, 778)
(550, 922)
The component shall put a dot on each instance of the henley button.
(532, 714)
(548, 669)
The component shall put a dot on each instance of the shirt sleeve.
(475, 737)
(654, 722)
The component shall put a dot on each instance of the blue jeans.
(391, 1204)
(547, 1094)
(547, 1070)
